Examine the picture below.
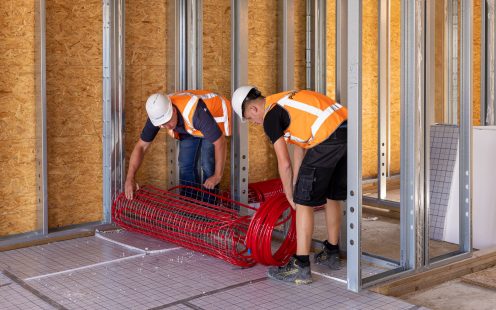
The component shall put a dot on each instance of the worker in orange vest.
(316, 126)
(200, 120)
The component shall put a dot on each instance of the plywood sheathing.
(476, 62)
(370, 96)
(262, 72)
(331, 48)
(395, 85)
(146, 43)
(300, 44)
(17, 117)
(74, 111)
(217, 57)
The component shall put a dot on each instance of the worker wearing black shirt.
(316, 126)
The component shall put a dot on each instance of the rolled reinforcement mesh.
(212, 224)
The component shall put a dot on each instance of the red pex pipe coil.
(220, 227)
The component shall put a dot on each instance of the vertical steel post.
(465, 144)
(113, 103)
(354, 93)
(430, 103)
(239, 77)
(412, 134)
(41, 119)
(341, 51)
(384, 104)
(483, 52)
(316, 45)
(194, 36)
(286, 45)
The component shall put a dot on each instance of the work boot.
(328, 258)
(291, 272)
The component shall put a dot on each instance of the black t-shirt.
(202, 120)
(275, 122)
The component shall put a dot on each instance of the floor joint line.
(227, 288)
(32, 290)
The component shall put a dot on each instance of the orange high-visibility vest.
(313, 116)
(187, 101)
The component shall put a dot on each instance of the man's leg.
(333, 220)
(304, 229)
(188, 152)
(207, 158)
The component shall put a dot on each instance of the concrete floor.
(129, 271)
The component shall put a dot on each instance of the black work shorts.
(322, 174)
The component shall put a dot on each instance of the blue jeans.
(196, 155)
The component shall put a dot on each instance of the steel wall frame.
(41, 119)
(465, 145)
(412, 152)
(316, 47)
(451, 59)
(286, 44)
(383, 125)
(239, 77)
(488, 64)
(113, 103)
(354, 100)
(185, 62)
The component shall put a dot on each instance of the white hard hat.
(238, 97)
(159, 109)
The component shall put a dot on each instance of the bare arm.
(298, 155)
(134, 163)
(284, 167)
(220, 161)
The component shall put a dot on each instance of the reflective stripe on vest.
(321, 117)
(188, 111)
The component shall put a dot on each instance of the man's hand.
(211, 182)
(291, 202)
(130, 187)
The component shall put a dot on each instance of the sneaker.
(328, 258)
(291, 272)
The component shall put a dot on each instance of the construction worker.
(316, 126)
(200, 120)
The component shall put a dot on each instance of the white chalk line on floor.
(130, 247)
(84, 267)
(329, 277)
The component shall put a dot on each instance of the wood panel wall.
(217, 58)
(262, 71)
(370, 80)
(331, 49)
(17, 117)
(74, 111)
(146, 51)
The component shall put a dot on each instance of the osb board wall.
(370, 42)
(74, 111)
(300, 44)
(370, 92)
(331, 49)
(439, 61)
(262, 72)
(17, 117)
(217, 57)
(476, 62)
(146, 38)
(395, 84)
